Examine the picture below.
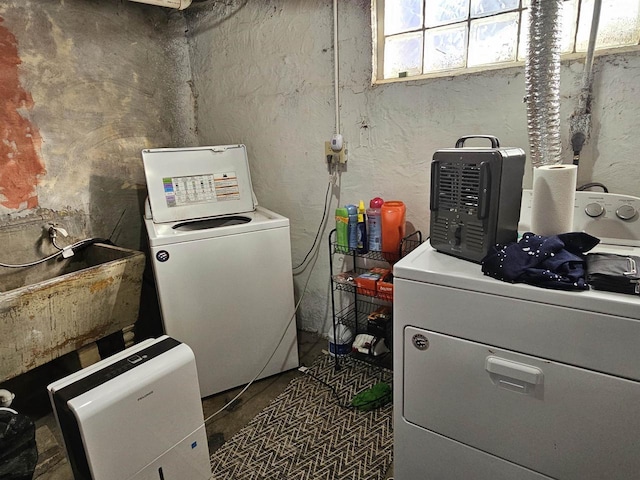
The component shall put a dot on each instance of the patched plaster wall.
(263, 76)
(95, 81)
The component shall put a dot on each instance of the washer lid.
(197, 182)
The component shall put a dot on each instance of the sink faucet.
(54, 229)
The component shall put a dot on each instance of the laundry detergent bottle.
(352, 226)
(340, 340)
(393, 228)
(374, 225)
(363, 245)
(342, 230)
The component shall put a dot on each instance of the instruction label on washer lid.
(181, 191)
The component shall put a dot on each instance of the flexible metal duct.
(542, 81)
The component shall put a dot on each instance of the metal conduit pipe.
(580, 124)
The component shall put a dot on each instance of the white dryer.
(499, 381)
(222, 265)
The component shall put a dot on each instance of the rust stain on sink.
(101, 285)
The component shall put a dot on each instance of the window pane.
(440, 12)
(443, 35)
(403, 53)
(619, 24)
(402, 16)
(493, 40)
(445, 48)
(527, 3)
(481, 8)
(568, 16)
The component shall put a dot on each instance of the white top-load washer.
(222, 265)
(503, 381)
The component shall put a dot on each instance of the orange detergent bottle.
(393, 221)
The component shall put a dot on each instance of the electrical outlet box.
(333, 156)
(342, 155)
(327, 149)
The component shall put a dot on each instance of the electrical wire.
(339, 401)
(75, 246)
(31, 264)
(324, 216)
(284, 333)
(593, 184)
(53, 241)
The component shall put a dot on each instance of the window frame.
(377, 30)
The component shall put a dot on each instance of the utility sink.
(61, 305)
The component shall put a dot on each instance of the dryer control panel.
(613, 218)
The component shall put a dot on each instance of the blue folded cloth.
(551, 262)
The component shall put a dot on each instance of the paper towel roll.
(554, 198)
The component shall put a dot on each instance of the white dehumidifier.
(136, 415)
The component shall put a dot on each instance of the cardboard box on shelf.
(384, 288)
(366, 282)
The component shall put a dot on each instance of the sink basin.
(64, 304)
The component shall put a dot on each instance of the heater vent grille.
(459, 187)
(475, 237)
(439, 229)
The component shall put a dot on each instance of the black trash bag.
(18, 450)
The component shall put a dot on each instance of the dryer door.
(556, 419)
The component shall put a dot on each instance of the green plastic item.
(375, 397)
(342, 230)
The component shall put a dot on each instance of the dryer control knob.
(626, 212)
(594, 209)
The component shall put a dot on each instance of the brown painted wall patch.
(20, 141)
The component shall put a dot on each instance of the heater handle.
(484, 190)
(495, 143)
(435, 185)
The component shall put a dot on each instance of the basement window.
(429, 38)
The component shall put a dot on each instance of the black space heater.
(475, 197)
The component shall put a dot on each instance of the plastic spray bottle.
(342, 230)
(374, 225)
(363, 244)
(353, 226)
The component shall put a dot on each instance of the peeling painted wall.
(20, 160)
(263, 76)
(86, 85)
